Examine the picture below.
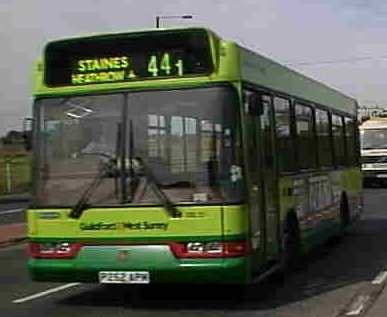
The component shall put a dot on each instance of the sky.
(339, 42)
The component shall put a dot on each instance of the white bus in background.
(373, 138)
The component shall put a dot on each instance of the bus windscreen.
(127, 57)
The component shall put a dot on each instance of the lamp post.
(159, 17)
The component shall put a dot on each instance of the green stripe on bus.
(102, 240)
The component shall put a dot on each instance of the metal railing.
(15, 174)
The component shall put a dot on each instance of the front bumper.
(158, 260)
(374, 175)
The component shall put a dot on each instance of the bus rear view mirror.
(27, 133)
(255, 105)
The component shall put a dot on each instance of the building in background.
(366, 112)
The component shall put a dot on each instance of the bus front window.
(187, 139)
(373, 139)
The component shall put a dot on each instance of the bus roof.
(264, 72)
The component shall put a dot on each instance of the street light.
(159, 17)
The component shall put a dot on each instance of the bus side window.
(350, 138)
(284, 142)
(338, 140)
(266, 126)
(325, 154)
(306, 155)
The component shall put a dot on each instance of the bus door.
(263, 184)
(253, 176)
(264, 216)
(269, 198)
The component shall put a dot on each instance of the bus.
(174, 156)
(373, 137)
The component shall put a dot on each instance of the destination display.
(127, 57)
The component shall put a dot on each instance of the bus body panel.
(156, 259)
(138, 223)
(315, 197)
(105, 233)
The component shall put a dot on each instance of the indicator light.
(54, 250)
(210, 249)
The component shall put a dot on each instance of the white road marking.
(44, 293)
(358, 306)
(356, 311)
(11, 211)
(380, 278)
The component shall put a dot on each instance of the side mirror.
(27, 133)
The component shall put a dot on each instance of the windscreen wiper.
(82, 202)
(108, 169)
(162, 197)
(178, 184)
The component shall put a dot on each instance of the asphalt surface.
(333, 277)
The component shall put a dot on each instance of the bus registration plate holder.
(123, 277)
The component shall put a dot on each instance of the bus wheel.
(243, 292)
(344, 212)
(290, 258)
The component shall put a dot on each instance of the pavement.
(23, 197)
(379, 309)
(12, 233)
(13, 228)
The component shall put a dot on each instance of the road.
(330, 283)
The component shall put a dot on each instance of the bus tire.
(243, 292)
(344, 212)
(290, 258)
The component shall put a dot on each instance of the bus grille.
(374, 159)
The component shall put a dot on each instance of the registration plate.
(381, 176)
(124, 277)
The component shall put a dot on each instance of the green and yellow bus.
(172, 155)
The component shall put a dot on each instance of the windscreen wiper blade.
(178, 184)
(82, 202)
(162, 197)
(108, 169)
